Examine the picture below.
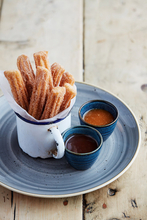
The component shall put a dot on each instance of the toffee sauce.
(98, 117)
(80, 143)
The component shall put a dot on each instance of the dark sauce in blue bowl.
(80, 143)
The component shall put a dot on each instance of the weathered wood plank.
(21, 207)
(31, 26)
(27, 27)
(115, 59)
(48, 208)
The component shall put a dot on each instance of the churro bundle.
(44, 94)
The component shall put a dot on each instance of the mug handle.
(59, 142)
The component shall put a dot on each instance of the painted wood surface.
(27, 27)
(31, 26)
(116, 60)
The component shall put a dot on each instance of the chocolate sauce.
(80, 143)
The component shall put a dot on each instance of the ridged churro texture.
(54, 102)
(40, 90)
(67, 78)
(18, 88)
(57, 71)
(44, 94)
(50, 82)
(70, 94)
(41, 59)
(26, 70)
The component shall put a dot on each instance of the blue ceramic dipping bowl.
(105, 130)
(82, 161)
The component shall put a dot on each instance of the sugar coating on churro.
(70, 94)
(67, 78)
(26, 70)
(57, 71)
(39, 93)
(41, 59)
(45, 93)
(50, 81)
(54, 102)
(18, 88)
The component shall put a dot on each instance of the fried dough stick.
(70, 94)
(41, 59)
(50, 81)
(54, 102)
(67, 78)
(39, 93)
(26, 70)
(18, 88)
(57, 72)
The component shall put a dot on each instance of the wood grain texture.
(116, 60)
(27, 27)
(30, 26)
(17, 206)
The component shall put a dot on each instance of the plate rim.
(101, 185)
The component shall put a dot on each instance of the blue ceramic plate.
(52, 178)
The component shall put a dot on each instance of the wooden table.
(101, 42)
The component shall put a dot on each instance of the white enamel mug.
(42, 139)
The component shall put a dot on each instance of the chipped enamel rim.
(99, 186)
(42, 123)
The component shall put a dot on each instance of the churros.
(26, 70)
(44, 94)
(39, 93)
(41, 59)
(54, 102)
(18, 88)
(57, 72)
(67, 78)
(70, 94)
